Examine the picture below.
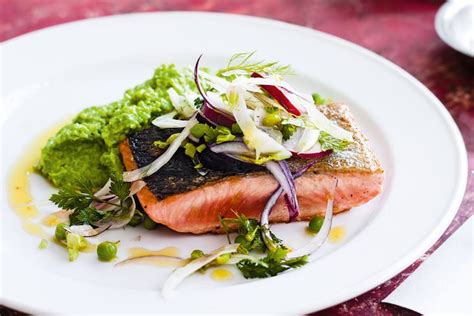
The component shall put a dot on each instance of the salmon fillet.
(179, 198)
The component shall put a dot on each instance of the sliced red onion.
(159, 162)
(182, 273)
(315, 155)
(264, 218)
(208, 110)
(322, 235)
(279, 96)
(282, 174)
(214, 116)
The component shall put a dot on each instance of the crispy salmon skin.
(183, 200)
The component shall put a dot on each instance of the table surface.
(401, 31)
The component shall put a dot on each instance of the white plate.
(52, 74)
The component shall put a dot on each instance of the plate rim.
(455, 134)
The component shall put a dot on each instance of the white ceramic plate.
(51, 74)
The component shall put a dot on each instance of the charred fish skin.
(179, 174)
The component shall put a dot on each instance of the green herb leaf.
(120, 189)
(71, 199)
(85, 216)
(198, 102)
(329, 142)
(269, 266)
(318, 100)
(288, 130)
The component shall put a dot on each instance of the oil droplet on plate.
(34, 229)
(165, 252)
(56, 218)
(19, 181)
(336, 234)
(166, 257)
(221, 275)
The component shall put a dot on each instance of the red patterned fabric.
(401, 31)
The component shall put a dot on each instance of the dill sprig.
(243, 62)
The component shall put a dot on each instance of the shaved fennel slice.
(231, 148)
(182, 273)
(159, 162)
(221, 85)
(105, 190)
(217, 102)
(168, 121)
(180, 103)
(255, 138)
(319, 120)
(322, 235)
(308, 140)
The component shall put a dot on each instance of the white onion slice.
(168, 121)
(159, 162)
(182, 273)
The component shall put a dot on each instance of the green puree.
(87, 148)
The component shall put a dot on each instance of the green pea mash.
(87, 148)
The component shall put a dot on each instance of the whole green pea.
(197, 253)
(271, 119)
(316, 223)
(148, 223)
(60, 232)
(223, 259)
(107, 250)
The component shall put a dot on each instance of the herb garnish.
(243, 62)
(82, 198)
(250, 238)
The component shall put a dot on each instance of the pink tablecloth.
(401, 31)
